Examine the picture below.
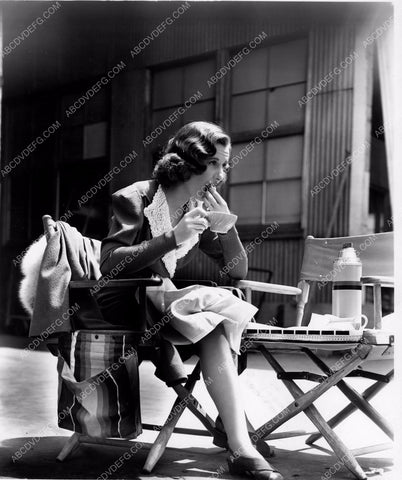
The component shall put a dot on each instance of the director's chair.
(376, 254)
(101, 403)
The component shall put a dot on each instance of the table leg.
(304, 401)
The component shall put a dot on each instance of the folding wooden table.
(356, 351)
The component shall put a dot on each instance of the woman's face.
(216, 168)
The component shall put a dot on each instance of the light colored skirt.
(197, 310)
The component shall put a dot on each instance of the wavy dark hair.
(186, 153)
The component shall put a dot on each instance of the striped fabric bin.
(99, 384)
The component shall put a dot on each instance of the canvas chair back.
(376, 252)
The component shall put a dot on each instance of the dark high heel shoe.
(220, 438)
(257, 468)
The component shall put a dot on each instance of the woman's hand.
(214, 202)
(192, 223)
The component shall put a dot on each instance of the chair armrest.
(181, 283)
(268, 287)
(377, 283)
(124, 283)
(383, 281)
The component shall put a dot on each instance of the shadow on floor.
(101, 462)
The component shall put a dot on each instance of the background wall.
(80, 42)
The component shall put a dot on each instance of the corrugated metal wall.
(328, 133)
(328, 137)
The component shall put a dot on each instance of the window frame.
(287, 230)
(222, 117)
(177, 63)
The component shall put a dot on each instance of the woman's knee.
(217, 334)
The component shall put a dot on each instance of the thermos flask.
(347, 286)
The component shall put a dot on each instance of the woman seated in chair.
(157, 227)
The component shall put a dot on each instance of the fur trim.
(30, 268)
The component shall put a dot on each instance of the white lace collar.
(158, 215)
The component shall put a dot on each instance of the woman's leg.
(223, 385)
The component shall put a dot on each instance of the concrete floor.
(28, 413)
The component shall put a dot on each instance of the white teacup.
(338, 323)
(220, 222)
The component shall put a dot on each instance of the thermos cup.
(347, 286)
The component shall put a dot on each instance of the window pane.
(251, 72)
(72, 143)
(167, 87)
(283, 203)
(284, 157)
(95, 140)
(200, 111)
(283, 105)
(158, 118)
(245, 201)
(248, 112)
(195, 78)
(288, 63)
(249, 166)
